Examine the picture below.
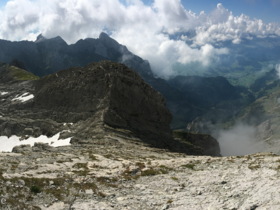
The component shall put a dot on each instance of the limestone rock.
(105, 93)
(22, 148)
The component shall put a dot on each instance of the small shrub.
(35, 189)
(92, 157)
(153, 172)
(80, 165)
(140, 165)
(189, 166)
(254, 166)
(174, 178)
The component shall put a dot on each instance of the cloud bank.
(241, 139)
(165, 33)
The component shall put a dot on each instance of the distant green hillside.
(20, 74)
(9, 73)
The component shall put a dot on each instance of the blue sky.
(2, 2)
(267, 10)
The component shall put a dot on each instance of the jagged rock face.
(46, 56)
(102, 102)
(86, 102)
(108, 93)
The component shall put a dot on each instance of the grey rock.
(22, 148)
(106, 102)
(41, 147)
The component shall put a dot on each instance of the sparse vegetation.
(189, 166)
(254, 166)
(110, 182)
(170, 201)
(153, 172)
(174, 178)
(35, 189)
(80, 165)
(140, 165)
(20, 74)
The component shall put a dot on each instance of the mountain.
(262, 114)
(97, 103)
(211, 100)
(46, 56)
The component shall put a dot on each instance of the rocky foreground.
(117, 174)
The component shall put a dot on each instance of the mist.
(277, 68)
(241, 139)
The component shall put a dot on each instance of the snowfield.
(24, 97)
(8, 143)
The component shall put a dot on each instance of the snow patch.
(24, 97)
(7, 144)
(3, 93)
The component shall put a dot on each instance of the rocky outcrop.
(104, 93)
(101, 102)
(198, 144)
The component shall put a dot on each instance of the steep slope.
(104, 93)
(100, 103)
(263, 114)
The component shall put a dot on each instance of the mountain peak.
(58, 39)
(40, 38)
(103, 35)
(108, 41)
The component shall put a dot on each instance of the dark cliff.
(100, 103)
(105, 93)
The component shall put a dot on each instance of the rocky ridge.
(88, 103)
(46, 56)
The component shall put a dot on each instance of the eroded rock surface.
(132, 176)
(85, 104)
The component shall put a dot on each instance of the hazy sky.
(162, 31)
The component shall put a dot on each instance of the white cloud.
(146, 30)
(241, 139)
(277, 68)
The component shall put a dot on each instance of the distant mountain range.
(188, 97)
(244, 63)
